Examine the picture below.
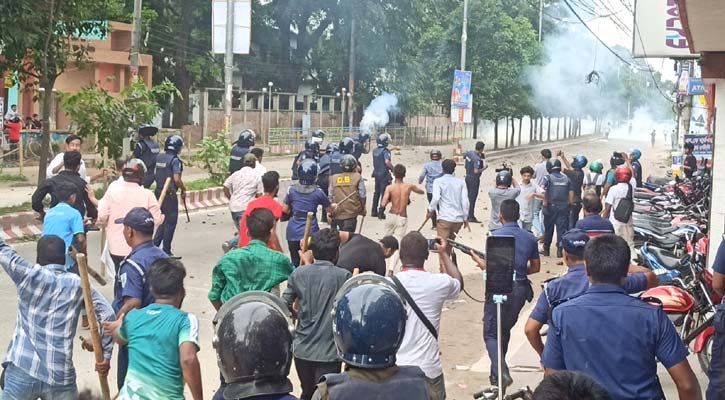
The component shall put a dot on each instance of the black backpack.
(625, 208)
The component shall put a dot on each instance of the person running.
(146, 150)
(270, 181)
(169, 166)
(241, 188)
(502, 191)
(475, 165)
(242, 146)
(398, 195)
(432, 170)
(450, 199)
(382, 165)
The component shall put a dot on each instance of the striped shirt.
(49, 303)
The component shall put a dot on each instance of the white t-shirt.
(260, 169)
(58, 160)
(429, 291)
(526, 204)
(244, 186)
(617, 193)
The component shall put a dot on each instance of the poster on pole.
(658, 31)
(462, 115)
(242, 26)
(461, 91)
(703, 145)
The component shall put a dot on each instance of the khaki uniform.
(341, 186)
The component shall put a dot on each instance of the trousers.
(381, 182)
(576, 209)
(436, 387)
(716, 373)
(345, 225)
(236, 219)
(310, 373)
(165, 232)
(537, 223)
(555, 216)
(434, 218)
(294, 246)
(21, 386)
(122, 365)
(473, 183)
(510, 310)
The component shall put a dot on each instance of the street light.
(342, 119)
(269, 110)
(261, 120)
(349, 114)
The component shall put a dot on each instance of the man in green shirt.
(162, 340)
(254, 267)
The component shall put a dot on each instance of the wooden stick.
(308, 231)
(92, 322)
(165, 190)
(103, 246)
(359, 231)
(423, 224)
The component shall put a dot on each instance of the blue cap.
(139, 219)
(574, 242)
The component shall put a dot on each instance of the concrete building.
(109, 66)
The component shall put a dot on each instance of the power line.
(654, 79)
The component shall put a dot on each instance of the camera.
(505, 166)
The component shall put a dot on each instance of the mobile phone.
(432, 243)
(500, 252)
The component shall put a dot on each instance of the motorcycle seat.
(667, 259)
(662, 231)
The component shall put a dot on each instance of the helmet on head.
(622, 174)
(253, 335)
(504, 178)
(616, 160)
(436, 154)
(383, 140)
(348, 163)
(347, 145)
(318, 136)
(363, 137)
(307, 172)
(134, 170)
(246, 138)
(147, 130)
(174, 143)
(368, 322)
(636, 154)
(597, 167)
(579, 161)
(331, 148)
(553, 166)
(312, 145)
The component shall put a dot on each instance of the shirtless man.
(398, 195)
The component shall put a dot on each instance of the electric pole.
(464, 35)
(228, 66)
(351, 78)
(135, 39)
(541, 17)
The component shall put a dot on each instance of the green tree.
(38, 42)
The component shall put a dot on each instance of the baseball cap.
(139, 219)
(250, 158)
(574, 242)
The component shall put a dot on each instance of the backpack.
(623, 212)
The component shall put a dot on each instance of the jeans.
(716, 388)
(473, 183)
(555, 216)
(21, 386)
(538, 224)
(525, 225)
(345, 225)
(165, 232)
(436, 387)
(122, 365)
(434, 218)
(294, 247)
(381, 182)
(576, 209)
(509, 315)
(237, 218)
(310, 373)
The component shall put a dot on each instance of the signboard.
(658, 30)
(462, 115)
(461, 91)
(703, 145)
(242, 26)
(2, 114)
(696, 87)
(683, 83)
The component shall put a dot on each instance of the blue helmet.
(579, 161)
(636, 154)
(318, 136)
(368, 322)
(331, 148)
(147, 130)
(347, 145)
(174, 143)
(312, 145)
(363, 137)
(246, 138)
(553, 165)
(307, 172)
(383, 140)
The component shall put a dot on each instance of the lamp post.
(349, 114)
(342, 123)
(269, 111)
(261, 120)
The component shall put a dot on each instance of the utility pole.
(135, 39)
(351, 78)
(228, 67)
(464, 35)
(541, 17)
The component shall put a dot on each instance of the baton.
(308, 231)
(359, 231)
(164, 190)
(92, 322)
(423, 224)
(186, 209)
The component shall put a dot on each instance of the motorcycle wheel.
(706, 354)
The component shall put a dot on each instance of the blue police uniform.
(556, 213)
(382, 176)
(356, 384)
(147, 150)
(526, 250)
(637, 168)
(358, 149)
(302, 203)
(473, 180)
(576, 177)
(716, 373)
(236, 159)
(594, 225)
(614, 338)
(167, 165)
(323, 177)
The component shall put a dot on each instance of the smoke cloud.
(376, 114)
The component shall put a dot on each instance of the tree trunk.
(548, 130)
(541, 129)
(531, 130)
(495, 134)
(47, 84)
(183, 77)
(521, 121)
(506, 142)
(558, 123)
(513, 131)
(475, 125)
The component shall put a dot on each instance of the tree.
(38, 42)
(112, 118)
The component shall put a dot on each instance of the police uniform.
(147, 150)
(637, 168)
(526, 250)
(614, 338)
(236, 159)
(344, 217)
(303, 155)
(168, 164)
(716, 373)
(576, 177)
(302, 199)
(382, 176)
(474, 161)
(556, 212)
(382, 384)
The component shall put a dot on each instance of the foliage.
(95, 112)
(13, 178)
(213, 156)
(201, 184)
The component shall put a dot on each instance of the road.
(464, 357)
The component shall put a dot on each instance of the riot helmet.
(307, 172)
(383, 140)
(174, 143)
(246, 138)
(553, 166)
(436, 155)
(348, 163)
(504, 178)
(318, 136)
(147, 130)
(312, 145)
(347, 145)
(331, 148)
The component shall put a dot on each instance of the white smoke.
(376, 114)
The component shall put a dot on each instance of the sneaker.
(474, 220)
(172, 256)
(507, 381)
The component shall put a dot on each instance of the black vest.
(409, 384)
(163, 171)
(379, 167)
(558, 190)
(236, 160)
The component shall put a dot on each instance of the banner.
(242, 33)
(462, 115)
(703, 145)
(461, 91)
(658, 30)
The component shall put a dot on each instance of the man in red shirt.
(270, 181)
(14, 126)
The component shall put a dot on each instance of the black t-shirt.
(576, 177)
(690, 161)
(361, 252)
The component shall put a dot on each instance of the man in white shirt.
(429, 292)
(625, 181)
(530, 191)
(72, 143)
(450, 198)
(259, 168)
(540, 172)
(12, 113)
(241, 188)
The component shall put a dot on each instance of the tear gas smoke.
(376, 114)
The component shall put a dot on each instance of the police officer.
(614, 338)
(362, 145)
(574, 171)
(716, 371)
(244, 142)
(369, 324)
(526, 262)
(318, 136)
(574, 283)
(557, 202)
(475, 165)
(253, 335)
(169, 165)
(347, 194)
(311, 152)
(634, 157)
(302, 197)
(346, 146)
(324, 171)
(146, 150)
(382, 165)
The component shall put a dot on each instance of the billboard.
(461, 91)
(703, 145)
(658, 31)
(242, 26)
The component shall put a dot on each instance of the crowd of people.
(337, 297)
